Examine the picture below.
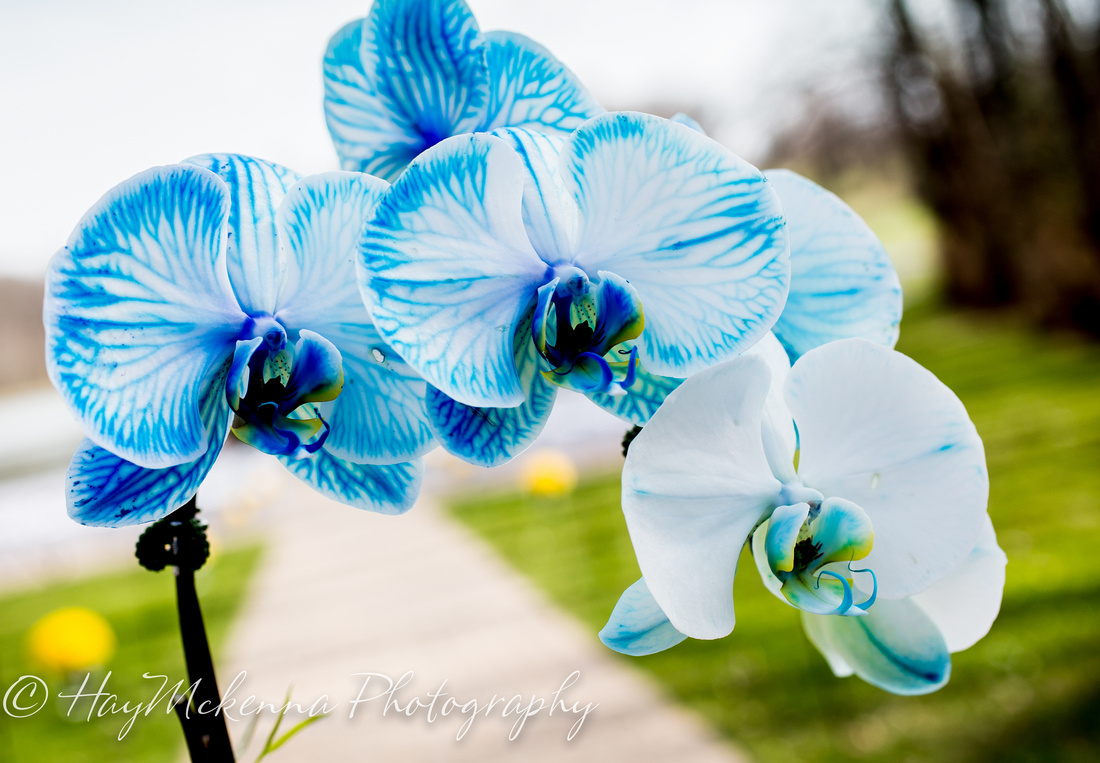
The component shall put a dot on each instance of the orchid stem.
(179, 541)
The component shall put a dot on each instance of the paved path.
(342, 592)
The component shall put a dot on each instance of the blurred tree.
(997, 104)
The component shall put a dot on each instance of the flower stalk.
(179, 540)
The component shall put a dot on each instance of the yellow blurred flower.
(548, 473)
(70, 639)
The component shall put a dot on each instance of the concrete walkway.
(342, 592)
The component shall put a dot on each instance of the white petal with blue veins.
(493, 436)
(385, 489)
(843, 283)
(550, 213)
(530, 88)
(370, 135)
(448, 269)
(696, 230)
(695, 483)
(255, 262)
(139, 312)
(105, 490)
(877, 429)
(379, 415)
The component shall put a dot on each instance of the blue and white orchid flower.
(219, 295)
(414, 72)
(501, 266)
(843, 285)
(890, 473)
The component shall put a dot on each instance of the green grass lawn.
(1029, 691)
(141, 609)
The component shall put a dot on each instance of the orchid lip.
(804, 546)
(583, 329)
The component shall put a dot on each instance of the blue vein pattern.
(448, 268)
(105, 490)
(493, 436)
(255, 262)
(642, 399)
(843, 283)
(694, 209)
(530, 88)
(139, 312)
(414, 72)
(384, 489)
(379, 416)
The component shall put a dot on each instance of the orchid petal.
(550, 214)
(780, 438)
(964, 604)
(637, 626)
(318, 224)
(385, 489)
(449, 270)
(843, 283)
(894, 646)
(687, 121)
(139, 313)
(255, 261)
(642, 398)
(695, 483)
(426, 63)
(530, 88)
(881, 431)
(369, 134)
(697, 231)
(379, 416)
(105, 490)
(493, 436)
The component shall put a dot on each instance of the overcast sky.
(93, 91)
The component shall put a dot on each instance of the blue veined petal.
(139, 312)
(530, 88)
(105, 490)
(493, 436)
(549, 212)
(427, 63)
(380, 415)
(965, 602)
(318, 225)
(881, 431)
(641, 399)
(385, 489)
(448, 269)
(255, 261)
(842, 281)
(369, 132)
(696, 230)
(894, 646)
(638, 626)
(695, 483)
